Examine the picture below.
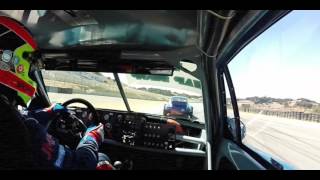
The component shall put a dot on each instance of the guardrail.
(59, 90)
(285, 114)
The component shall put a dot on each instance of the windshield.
(99, 90)
(178, 96)
(179, 99)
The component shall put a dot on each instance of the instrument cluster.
(136, 129)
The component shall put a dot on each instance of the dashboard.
(148, 141)
(141, 130)
(134, 129)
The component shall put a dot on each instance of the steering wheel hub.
(69, 128)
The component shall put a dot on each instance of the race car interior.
(134, 71)
(139, 141)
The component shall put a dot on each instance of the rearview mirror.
(119, 66)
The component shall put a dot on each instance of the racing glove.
(179, 129)
(56, 108)
(94, 134)
(88, 148)
(46, 114)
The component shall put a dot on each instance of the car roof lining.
(145, 29)
(213, 33)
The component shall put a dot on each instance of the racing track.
(294, 141)
(137, 105)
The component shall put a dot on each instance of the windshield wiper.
(123, 95)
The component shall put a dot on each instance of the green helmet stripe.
(22, 68)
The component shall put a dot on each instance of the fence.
(285, 114)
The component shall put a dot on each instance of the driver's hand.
(179, 129)
(46, 114)
(53, 109)
(95, 133)
(57, 108)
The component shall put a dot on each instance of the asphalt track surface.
(294, 141)
(137, 105)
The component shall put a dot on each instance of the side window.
(230, 114)
(276, 81)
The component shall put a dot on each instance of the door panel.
(232, 157)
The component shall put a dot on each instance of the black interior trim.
(123, 95)
(234, 103)
(108, 142)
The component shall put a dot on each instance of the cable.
(219, 16)
(213, 56)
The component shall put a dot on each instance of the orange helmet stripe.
(9, 79)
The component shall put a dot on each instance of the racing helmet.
(16, 45)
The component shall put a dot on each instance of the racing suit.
(47, 151)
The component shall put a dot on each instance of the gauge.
(143, 119)
(106, 117)
(119, 118)
(84, 114)
(108, 126)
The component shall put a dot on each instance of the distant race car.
(178, 106)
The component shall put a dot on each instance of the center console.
(135, 129)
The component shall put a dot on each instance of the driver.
(25, 142)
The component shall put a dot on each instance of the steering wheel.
(68, 128)
(89, 106)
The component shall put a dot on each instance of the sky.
(283, 62)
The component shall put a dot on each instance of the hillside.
(97, 84)
(286, 104)
(302, 102)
